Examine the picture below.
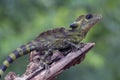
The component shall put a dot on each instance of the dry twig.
(35, 72)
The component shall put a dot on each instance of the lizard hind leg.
(45, 59)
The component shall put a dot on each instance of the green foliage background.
(22, 20)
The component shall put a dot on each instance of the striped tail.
(23, 50)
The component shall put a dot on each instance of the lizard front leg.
(66, 50)
(77, 46)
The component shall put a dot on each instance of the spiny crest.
(45, 33)
(50, 32)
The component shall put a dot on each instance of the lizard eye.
(89, 16)
(73, 26)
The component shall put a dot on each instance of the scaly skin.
(55, 39)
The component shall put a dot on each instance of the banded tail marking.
(23, 50)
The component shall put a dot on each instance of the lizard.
(55, 39)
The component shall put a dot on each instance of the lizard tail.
(23, 50)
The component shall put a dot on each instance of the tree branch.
(35, 72)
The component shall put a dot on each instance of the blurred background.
(22, 20)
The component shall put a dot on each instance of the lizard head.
(84, 22)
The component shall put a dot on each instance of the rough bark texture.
(60, 62)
